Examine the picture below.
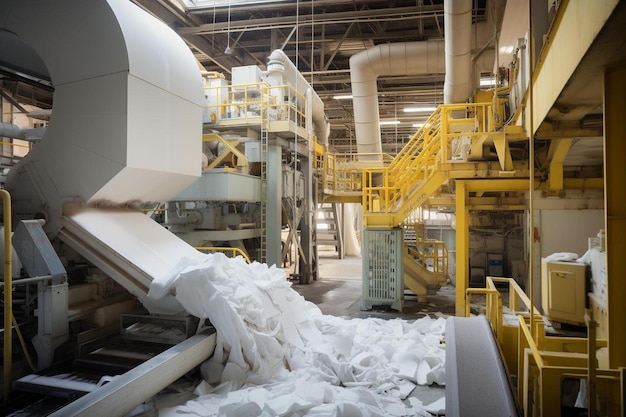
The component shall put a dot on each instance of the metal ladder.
(264, 151)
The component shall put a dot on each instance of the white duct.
(281, 70)
(457, 20)
(127, 121)
(8, 130)
(415, 58)
(386, 59)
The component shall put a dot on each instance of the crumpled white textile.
(277, 355)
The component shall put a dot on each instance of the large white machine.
(131, 128)
(126, 129)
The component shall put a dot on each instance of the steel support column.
(274, 211)
(615, 209)
(462, 247)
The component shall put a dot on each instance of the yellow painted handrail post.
(235, 251)
(8, 296)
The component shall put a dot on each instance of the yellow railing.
(249, 103)
(244, 102)
(542, 363)
(433, 254)
(234, 251)
(343, 172)
(394, 188)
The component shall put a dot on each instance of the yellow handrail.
(19, 145)
(542, 361)
(343, 172)
(235, 251)
(8, 296)
(394, 189)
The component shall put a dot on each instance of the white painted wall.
(568, 230)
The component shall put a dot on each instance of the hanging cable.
(228, 51)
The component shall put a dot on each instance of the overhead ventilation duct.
(127, 121)
(281, 69)
(410, 58)
(415, 58)
(457, 20)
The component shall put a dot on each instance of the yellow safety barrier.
(543, 363)
(282, 106)
(342, 174)
(235, 251)
(392, 192)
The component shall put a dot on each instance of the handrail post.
(8, 295)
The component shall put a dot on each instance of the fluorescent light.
(389, 122)
(418, 124)
(343, 97)
(487, 82)
(420, 109)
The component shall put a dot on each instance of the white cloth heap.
(278, 355)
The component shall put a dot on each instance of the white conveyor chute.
(128, 246)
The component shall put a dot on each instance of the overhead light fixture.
(420, 109)
(389, 122)
(488, 82)
(417, 124)
(228, 51)
(343, 97)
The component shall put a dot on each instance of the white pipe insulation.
(457, 20)
(281, 70)
(415, 58)
(386, 59)
(9, 130)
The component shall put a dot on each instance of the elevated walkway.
(438, 152)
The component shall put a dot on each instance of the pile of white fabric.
(278, 355)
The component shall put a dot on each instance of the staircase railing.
(390, 193)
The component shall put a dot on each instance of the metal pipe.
(28, 280)
(9, 130)
(8, 296)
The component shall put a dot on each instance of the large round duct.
(386, 59)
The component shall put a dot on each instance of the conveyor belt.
(476, 380)
(113, 378)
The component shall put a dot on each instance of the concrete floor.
(338, 292)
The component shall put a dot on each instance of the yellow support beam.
(566, 44)
(503, 151)
(615, 210)
(462, 247)
(230, 145)
(556, 155)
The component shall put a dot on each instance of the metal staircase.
(329, 227)
(438, 152)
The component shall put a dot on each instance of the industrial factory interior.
(323, 208)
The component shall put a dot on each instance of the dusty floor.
(338, 292)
